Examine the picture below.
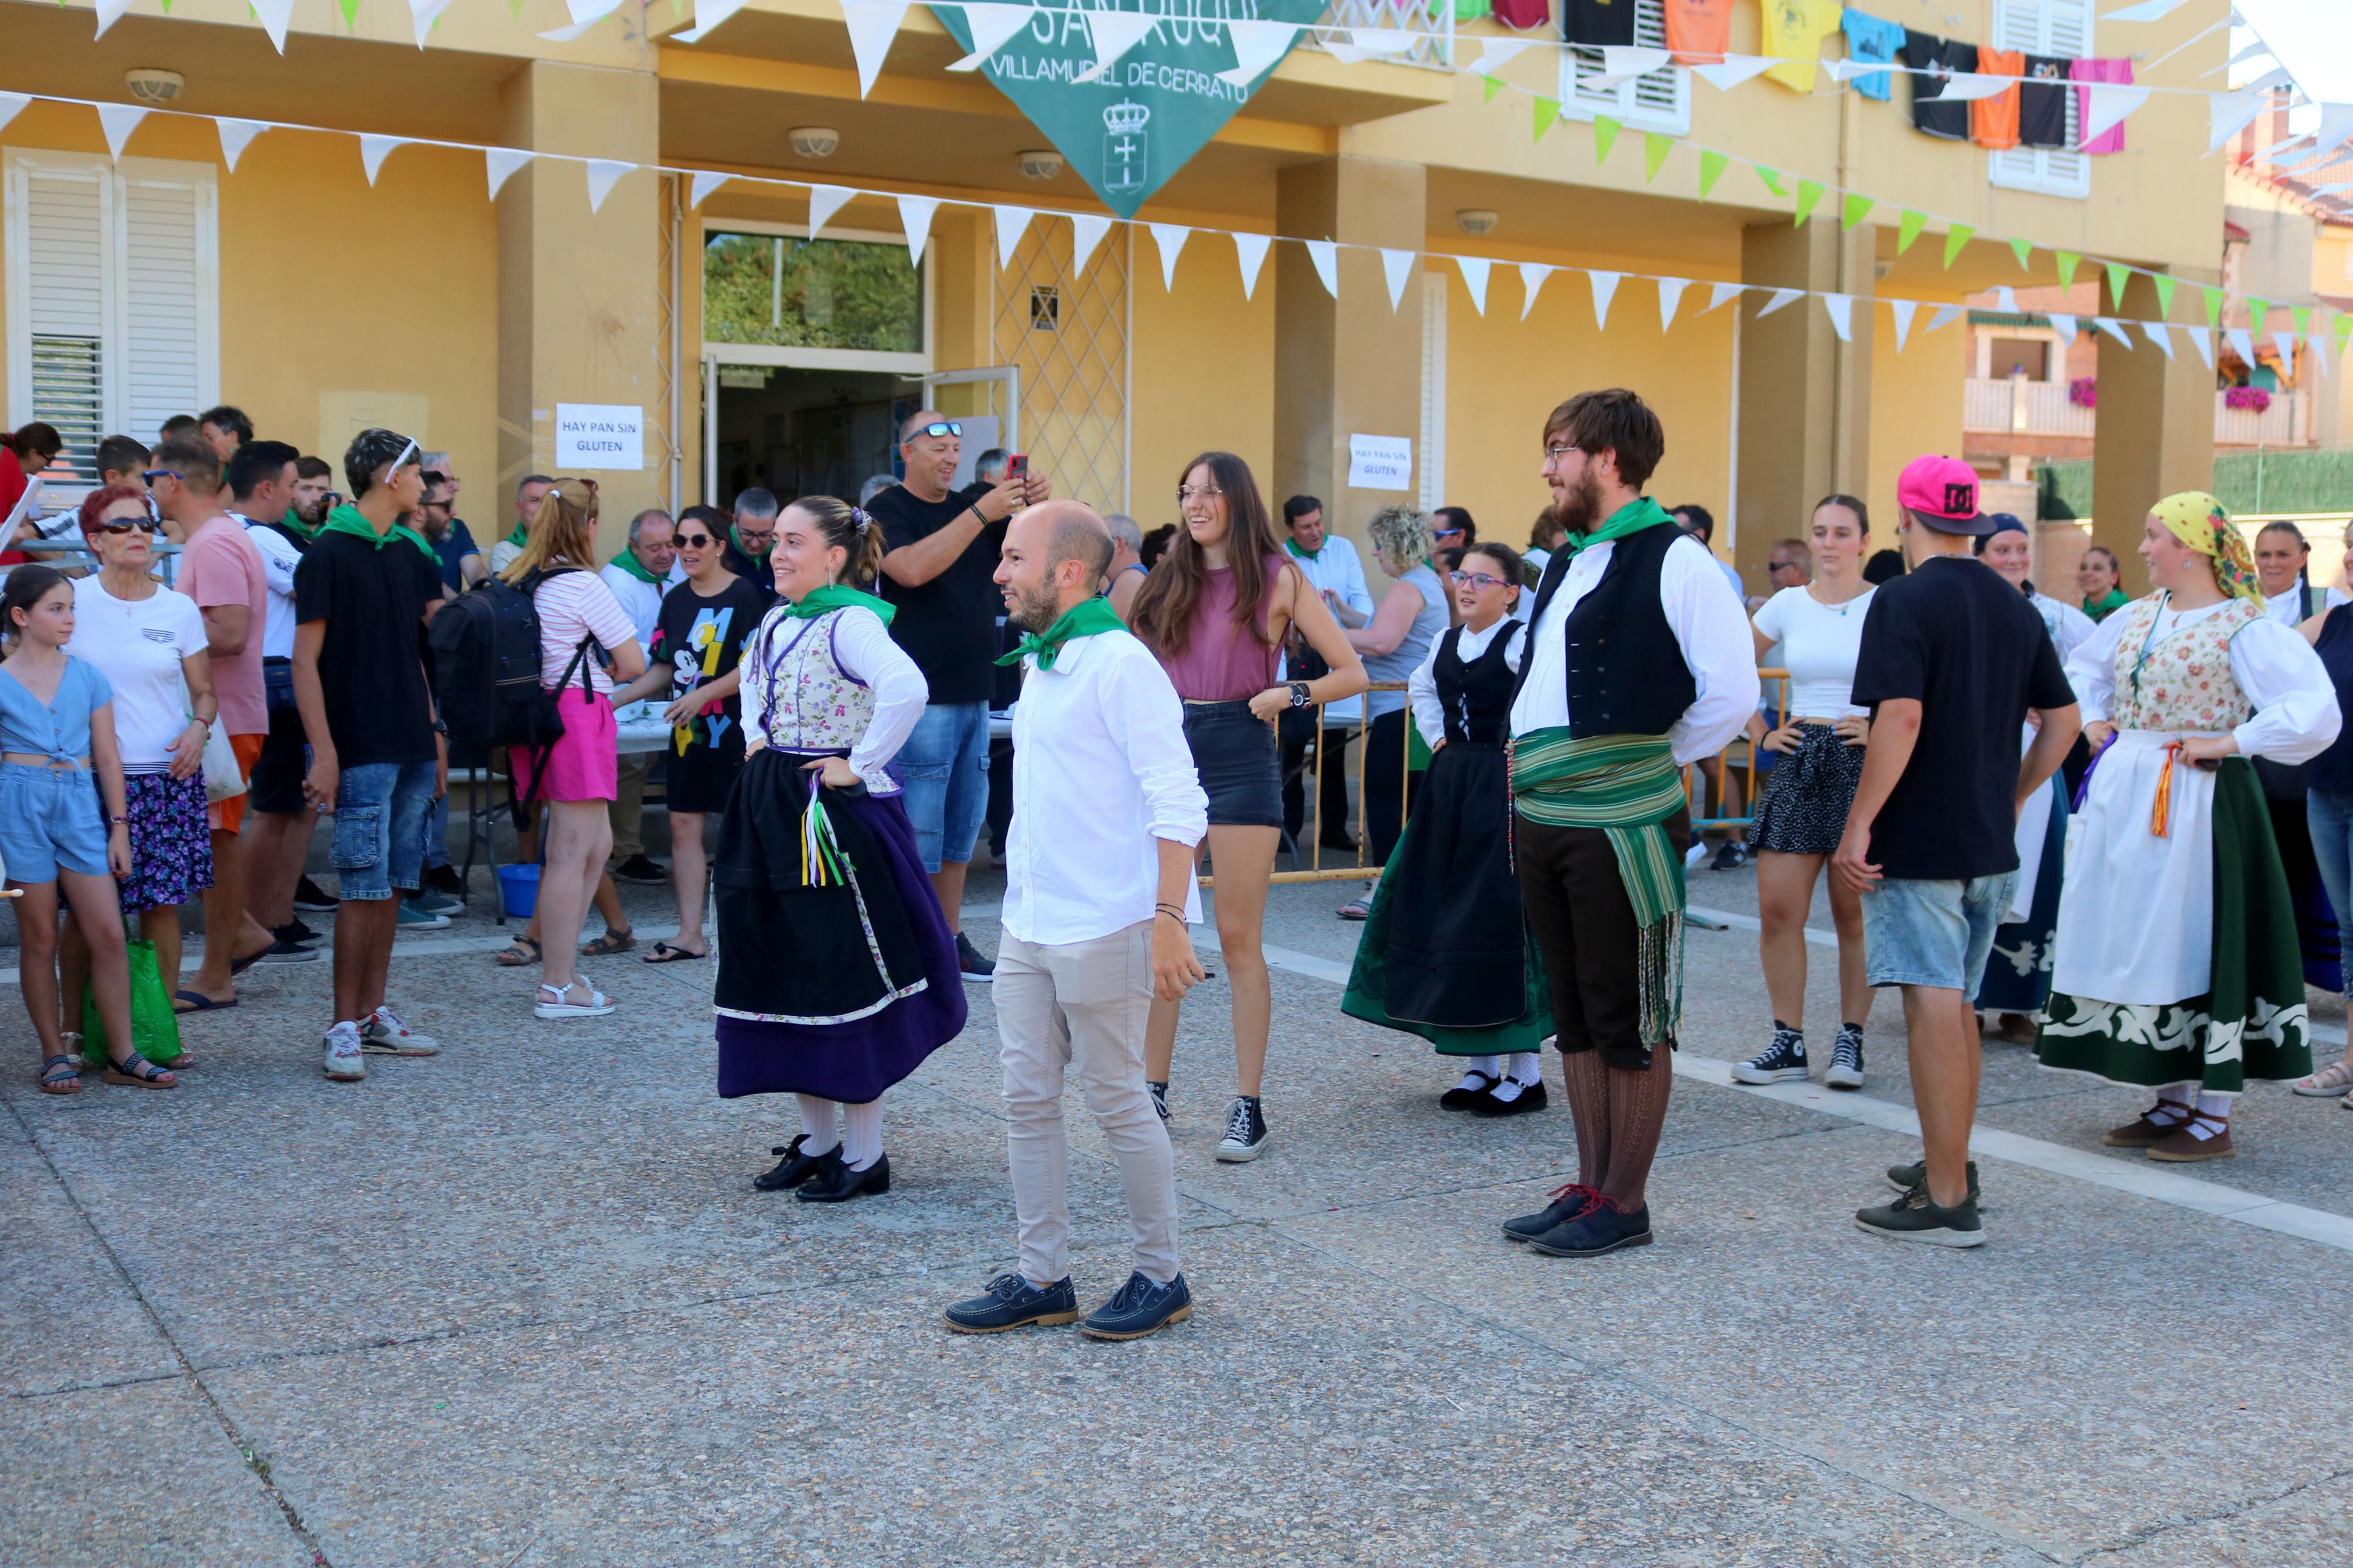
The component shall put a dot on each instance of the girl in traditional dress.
(1446, 952)
(2176, 965)
(836, 973)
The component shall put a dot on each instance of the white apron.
(2136, 923)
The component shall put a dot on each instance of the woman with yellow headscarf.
(2175, 965)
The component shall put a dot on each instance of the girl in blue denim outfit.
(56, 727)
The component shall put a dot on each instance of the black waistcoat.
(1477, 696)
(1625, 671)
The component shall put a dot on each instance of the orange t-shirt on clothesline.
(1993, 121)
(1699, 31)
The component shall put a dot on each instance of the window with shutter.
(113, 297)
(1657, 101)
(2059, 28)
(1433, 388)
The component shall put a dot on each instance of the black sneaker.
(1473, 1088)
(1139, 1307)
(1567, 1203)
(1912, 1217)
(1159, 1093)
(969, 959)
(1846, 1060)
(834, 1183)
(1780, 1062)
(284, 951)
(444, 879)
(792, 1169)
(1904, 1178)
(1246, 1134)
(1012, 1302)
(1604, 1227)
(1729, 857)
(296, 932)
(642, 869)
(309, 896)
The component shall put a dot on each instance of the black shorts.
(699, 779)
(1234, 752)
(277, 783)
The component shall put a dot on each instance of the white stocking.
(861, 1143)
(818, 1136)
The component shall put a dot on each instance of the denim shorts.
(1917, 933)
(1241, 765)
(50, 817)
(944, 767)
(379, 839)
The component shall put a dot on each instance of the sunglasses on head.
(938, 427)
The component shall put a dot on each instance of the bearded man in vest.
(1639, 661)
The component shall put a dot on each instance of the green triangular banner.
(2213, 304)
(1772, 178)
(1809, 196)
(2068, 262)
(351, 9)
(1908, 229)
(1605, 136)
(2119, 279)
(1493, 86)
(2021, 250)
(1548, 112)
(2303, 315)
(1655, 148)
(1854, 209)
(2165, 284)
(2344, 332)
(1710, 169)
(2258, 309)
(1956, 237)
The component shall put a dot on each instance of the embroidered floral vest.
(2182, 682)
(796, 694)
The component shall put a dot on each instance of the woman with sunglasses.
(1446, 952)
(150, 644)
(1216, 612)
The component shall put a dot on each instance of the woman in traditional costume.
(1446, 952)
(836, 973)
(2176, 962)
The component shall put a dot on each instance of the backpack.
(485, 647)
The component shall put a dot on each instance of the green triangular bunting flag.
(2163, 294)
(1605, 136)
(351, 15)
(2258, 309)
(2119, 277)
(2213, 304)
(1547, 112)
(1956, 237)
(2068, 262)
(1494, 85)
(1909, 229)
(2344, 332)
(1710, 169)
(1854, 209)
(1772, 178)
(1655, 149)
(2303, 314)
(1809, 196)
(2021, 250)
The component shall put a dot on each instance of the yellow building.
(161, 281)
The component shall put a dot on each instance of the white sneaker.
(556, 1001)
(345, 1063)
(383, 1034)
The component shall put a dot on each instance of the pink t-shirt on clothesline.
(2118, 72)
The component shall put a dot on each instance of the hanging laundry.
(1699, 31)
(1873, 39)
(2118, 72)
(1930, 116)
(1522, 14)
(1470, 10)
(1794, 31)
(2042, 109)
(1993, 121)
(1597, 23)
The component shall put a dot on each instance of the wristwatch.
(1299, 698)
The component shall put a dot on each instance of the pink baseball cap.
(1943, 493)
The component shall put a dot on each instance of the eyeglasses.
(124, 525)
(151, 475)
(1552, 455)
(941, 427)
(1478, 580)
(1197, 492)
(1783, 566)
(695, 541)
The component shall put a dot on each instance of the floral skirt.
(171, 842)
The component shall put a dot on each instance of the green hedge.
(2319, 479)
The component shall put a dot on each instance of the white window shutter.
(1657, 101)
(164, 267)
(1433, 389)
(61, 212)
(2062, 28)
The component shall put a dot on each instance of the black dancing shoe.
(792, 1169)
(1470, 1091)
(1527, 1097)
(838, 1184)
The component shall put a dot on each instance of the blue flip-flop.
(198, 1002)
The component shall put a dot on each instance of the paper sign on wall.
(1380, 462)
(600, 436)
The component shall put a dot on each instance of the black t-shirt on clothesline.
(1930, 115)
(1970, 649)
(2043, 102)
(948, 626)
(1597, 23)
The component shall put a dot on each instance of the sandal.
(611, 942)
(61, 1075)
(2329, 1083)
(140, 1073)
(524, 954)
(596, 1006)
(664, 952)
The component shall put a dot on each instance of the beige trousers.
(1083, 1004)
(626, 809)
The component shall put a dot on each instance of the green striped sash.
(1627, 785)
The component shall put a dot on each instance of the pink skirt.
(585, 765)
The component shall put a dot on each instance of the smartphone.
(1016, 468)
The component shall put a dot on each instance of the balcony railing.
(1428, 29)
(2286, 423)
(2016, 406)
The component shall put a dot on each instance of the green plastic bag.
(154, 1027)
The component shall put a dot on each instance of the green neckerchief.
(1292, 545)
(1627, 785)
(1636, 515)
(2116, 600)
(348, 519)
(293, 519)
(521, 532)
(1083, 619)
(627, 562)
(834, 597)
(737, 539)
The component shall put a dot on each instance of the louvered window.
(112, 297)
(1657, 101)
(2062, 28)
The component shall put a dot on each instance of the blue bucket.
(519, 890)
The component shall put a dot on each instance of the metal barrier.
(1743, 749)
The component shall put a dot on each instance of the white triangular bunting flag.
(423, 13)
(2006, 299)
(1011, 223)
(2114, 328)
(2287, 344)
(915, 221)
(1671, 298)
(2146, 11)
(2203, 341)
(1113, 33)
(1170, 237)
(1721, 294)
(1842, 313)
(2319, 353)
(824, 202)
(1256, 45)
(705, 181)
(1474, 278)
(873, 24)
(1496, 53)
(585, 14)
(1087, 231)
(602, 175)
(503, 162)
(993, 26)
(1904, 309)
(1734, 69)
(1370, 44)
(1397, 266)
(2104, 108)
(2155, 332)
(708, 14)
(1780, 297)
(1945, 317)
(236, 136)
(2064, 325)
(119, 120)
(1605, 288)
(374, 149)
(1531, 281)
(1848, 69)
(276, 16)
(1250, 250)
(1624, 62)
(2228, 112)
(1966, 87)
(12, 104)
(1326, 258)
(110, 12)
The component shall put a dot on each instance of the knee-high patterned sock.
(817, 1134)
(1526, 1066)
(1638, 1116)
(1588, 1106)
(861, 1142)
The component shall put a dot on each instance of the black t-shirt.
(948, 626)
(702, 640)
(1597, 23)
(1931, 115)
(1973, 651)
(371, 665)
(2043, 102)
(759, 573)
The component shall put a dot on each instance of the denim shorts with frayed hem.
(1919, 932)
(379, 838)
(50, 817)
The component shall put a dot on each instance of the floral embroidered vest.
(2183, 682)
(796, 695)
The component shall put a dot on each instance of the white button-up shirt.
(1100, 771)
(1338, 569)
(1705, 616)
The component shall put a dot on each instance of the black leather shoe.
(1604, 1227)
(1530, 1098)
(1466, 1094)
(792, 1169)
(1567, 1203)
(838, 1184)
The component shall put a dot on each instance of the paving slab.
(68, 1317)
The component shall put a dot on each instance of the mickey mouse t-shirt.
(700, 641)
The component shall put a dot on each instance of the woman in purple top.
(1216, 609)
